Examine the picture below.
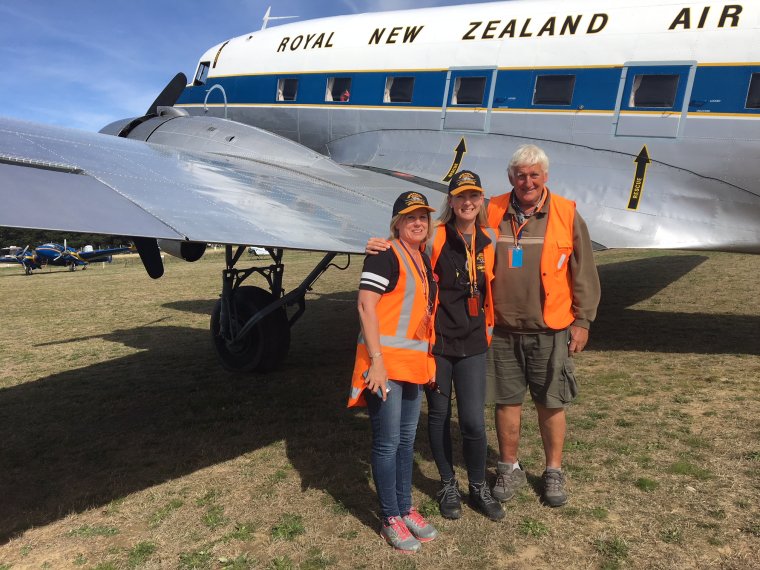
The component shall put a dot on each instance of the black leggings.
(468, 376)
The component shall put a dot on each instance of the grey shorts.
(537, 361)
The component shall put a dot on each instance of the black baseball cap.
(464, 180)
(409, 201)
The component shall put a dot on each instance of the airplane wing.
(291, 198)
(9, 259)
(98, 254)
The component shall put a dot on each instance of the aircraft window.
(469, 91)
(287, 89)
(338, 89)
(202, 73)
(654, 91)
(554, 90)
(753, 97)
(398, 90)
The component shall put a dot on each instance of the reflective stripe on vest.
(490, 255)
(409, 290)
(399, 312)
(492, 235)
(555, 256)
(400, 342)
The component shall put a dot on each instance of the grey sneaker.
(554, 488)
(419, 527)
(398, 536)
(508, 481)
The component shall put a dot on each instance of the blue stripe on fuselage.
(717, 89)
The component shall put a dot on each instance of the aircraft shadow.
(620, 326)
(37, 272)
(197, 306)
(84, 437)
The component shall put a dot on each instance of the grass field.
(125, 445)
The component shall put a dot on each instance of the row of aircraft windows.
(652, 91)
(397, 89)
(648, 90)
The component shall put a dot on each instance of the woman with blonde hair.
(397, 298)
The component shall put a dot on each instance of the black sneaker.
(554, 488)
(481, 500)
(449, 499)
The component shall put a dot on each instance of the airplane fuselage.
(57, 254)
(650, 113)
(60, 255)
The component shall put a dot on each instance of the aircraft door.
(468, 99)
(653, 98)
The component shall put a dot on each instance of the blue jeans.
(394, 427)
(467, 377)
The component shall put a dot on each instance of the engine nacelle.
(187, 250)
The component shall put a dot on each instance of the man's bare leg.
(508, 431)
(552, 423)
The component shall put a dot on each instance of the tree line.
(33, 238)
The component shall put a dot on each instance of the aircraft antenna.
(267, 17)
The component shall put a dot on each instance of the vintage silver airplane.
(300, 136)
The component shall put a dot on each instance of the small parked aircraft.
(649, 112)
(60, 255)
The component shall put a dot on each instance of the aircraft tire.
(266, 346)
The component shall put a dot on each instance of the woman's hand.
(377, 378)
(376, 245)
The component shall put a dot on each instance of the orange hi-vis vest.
(555, 256)
(406, 357)
(434, 251)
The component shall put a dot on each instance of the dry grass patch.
(126, 445)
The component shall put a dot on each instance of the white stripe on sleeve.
(374, 280)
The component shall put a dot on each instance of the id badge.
(473, 305)
(424, 328)
(515, 257)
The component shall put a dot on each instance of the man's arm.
(585, 283)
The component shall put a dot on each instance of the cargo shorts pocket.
(568, 386)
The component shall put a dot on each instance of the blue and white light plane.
(61, 256)
(300, 136)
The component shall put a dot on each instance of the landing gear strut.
(250, 328)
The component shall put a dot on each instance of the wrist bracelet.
(375, 355)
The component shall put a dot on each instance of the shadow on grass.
(36, 272)
(619, 327)
(84, 437)
(199, 306)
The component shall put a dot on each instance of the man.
(546, 292)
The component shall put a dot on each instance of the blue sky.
(85, 63)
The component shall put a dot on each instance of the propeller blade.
(168, 97)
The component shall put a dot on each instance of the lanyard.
(471, 264)
(423, 278)
(517, 231)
